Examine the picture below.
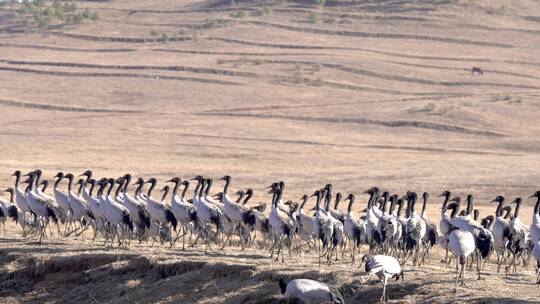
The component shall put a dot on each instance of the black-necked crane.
(387, 224)
(535, 223)
(139, 195)
(415, 228)
(444, 224)
(249, 218)
(62, 200)
(183, 211)
(483, 238)
(60, 213)
(432, 232)
(397, 221)
(338, 235)
(310, 292)
(160, 212)
(14, 213)
(335, 211)
(501, 232)
(403, 221)
(86, 193)
(354, 228)
(79, 207)
(95, 205)
(39, 206)
(322, 225)
(137, 209)
(281, 223)
(20, 199)
(462, 245)
(305, 223)
(373, 215)
(235, 212)
(520, 235)
(209, 214)
(115, 213)
(385, 267)
(208, 183)
(256, 214)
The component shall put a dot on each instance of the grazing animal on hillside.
(477, 70)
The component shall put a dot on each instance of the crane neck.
(152, 186)
(537, 206)
(186, 186)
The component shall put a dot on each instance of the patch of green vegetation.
(238, 14)
(260, 61)
(164, 38)
(432, 109)
(43, 13)
(266, 10)
(313, 17)
(506, 98)
(319, 2)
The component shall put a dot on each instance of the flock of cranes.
(392, 227)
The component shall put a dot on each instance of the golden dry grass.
(374, 93)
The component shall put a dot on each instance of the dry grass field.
(358, 93)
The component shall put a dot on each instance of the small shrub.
(153, 33)
(259, 61)
(164, 38)
(209, 23)
(78, 18)
(238, 14)
(319, 2)
(95, 17)
(313, 17)
(267, 10)
(41, 20)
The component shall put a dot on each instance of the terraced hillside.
(356, 93)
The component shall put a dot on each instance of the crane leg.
(478, 264)
(383, 297)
